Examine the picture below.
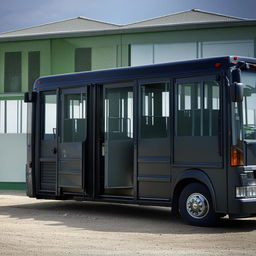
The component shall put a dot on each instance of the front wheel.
(195, 206)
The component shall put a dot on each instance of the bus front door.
(47, 148)
(62, 144)
(71, 140)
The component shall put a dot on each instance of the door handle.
(54, 151)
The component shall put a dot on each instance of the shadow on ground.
(112, 217)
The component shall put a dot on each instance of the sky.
(18, 14)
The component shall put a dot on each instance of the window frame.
(67, 92)
(164, 80)
(19, 115)
(42, 105)
(201, 80)
(7, 88)
(87, 65)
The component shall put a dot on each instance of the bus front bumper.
(244, 207)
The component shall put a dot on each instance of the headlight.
(249, 191)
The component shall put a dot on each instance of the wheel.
(195, 206)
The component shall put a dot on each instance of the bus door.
(118, 145)
(154, 174)
(62, 144)
(47, 148)
(72, 140)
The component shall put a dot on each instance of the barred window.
(12, 72)
(13, 116)
(83, 59)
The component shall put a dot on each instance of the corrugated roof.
(87, 27)
(70, 25)
(186, 17)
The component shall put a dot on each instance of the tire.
(195, 206)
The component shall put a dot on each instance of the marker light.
(237, 157)
(235, 58)
(217, 65)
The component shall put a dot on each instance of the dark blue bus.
(179, 134)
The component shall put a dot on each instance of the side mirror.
(29, 97)
(237, 92)
(237, 88)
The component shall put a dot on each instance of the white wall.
(174, 52)
(220, 48)
(142, 54)
(12, 157)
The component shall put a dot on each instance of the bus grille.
(48, 175)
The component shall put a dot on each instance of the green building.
(82, 44)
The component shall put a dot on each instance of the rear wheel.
(195, 205)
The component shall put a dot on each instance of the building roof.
(186, 17)
(75, 24)
(82, 26)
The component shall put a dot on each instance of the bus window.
(197, 121)
(198, 109)
(50, 118)
(155, 110)
(74, 122)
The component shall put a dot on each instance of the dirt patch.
(48, 227)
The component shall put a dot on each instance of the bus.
(180, 134)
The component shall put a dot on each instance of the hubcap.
(197, 206)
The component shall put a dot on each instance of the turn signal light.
(29, 165)
(237, 157)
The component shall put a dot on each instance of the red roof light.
(217, 65)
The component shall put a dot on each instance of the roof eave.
(127, 30)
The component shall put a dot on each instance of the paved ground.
(43, 227)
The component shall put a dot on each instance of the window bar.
(201, 109)
(210, 106)
(5, 116)
(18, 116)
(20, 123)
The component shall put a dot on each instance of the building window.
(13, 116)
(83, 59)
(12, 72)
(142, 54)
(33, 68)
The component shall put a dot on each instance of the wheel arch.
(188, 177)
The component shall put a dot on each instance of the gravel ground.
(46, 227)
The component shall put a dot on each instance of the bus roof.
(139, 72)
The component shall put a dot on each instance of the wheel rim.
(197, 206)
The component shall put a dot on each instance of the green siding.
(24, 47)
(62, 57)
(12, 186)
(108, 51)
(105, 52)
(213, 34)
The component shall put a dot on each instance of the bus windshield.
(249, 104)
